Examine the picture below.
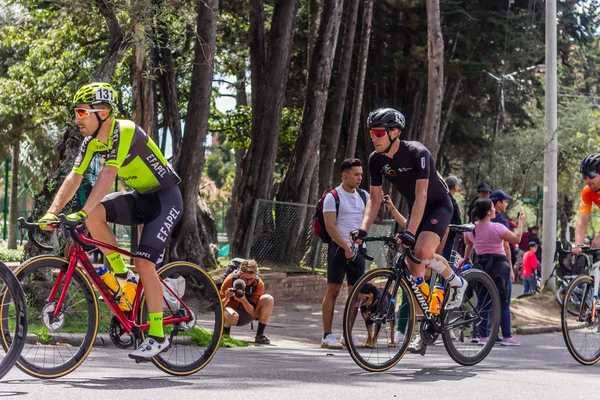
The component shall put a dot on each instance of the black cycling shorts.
(338, 266)
(436, 218)
(159, 212)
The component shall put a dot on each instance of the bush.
(10, 255)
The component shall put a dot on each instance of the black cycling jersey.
(411, 162)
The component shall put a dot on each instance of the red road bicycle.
(64, 310)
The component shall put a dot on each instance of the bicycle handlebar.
(387, 239)
(66, 225)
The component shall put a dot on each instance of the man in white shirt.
(342, 259)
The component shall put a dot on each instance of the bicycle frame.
(77, 254)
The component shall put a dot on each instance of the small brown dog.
(370, 297)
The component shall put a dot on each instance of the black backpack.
(319, 220)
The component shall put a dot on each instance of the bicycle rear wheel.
(478, 317)
(578, 322)
(372, 317)
(193, 343)
(55, 346)
(13, 325)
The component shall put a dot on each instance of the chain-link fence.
(282, 235)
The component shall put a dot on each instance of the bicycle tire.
(378, 335)
(13, 325)
(202, 297)
(581, 325)
(81, 302)
(481, 296)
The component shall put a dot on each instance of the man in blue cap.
(500, 200)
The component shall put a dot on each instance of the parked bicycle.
(13, 325)
(566, 269)
(64, 316)
(579, 316)
(387, 297)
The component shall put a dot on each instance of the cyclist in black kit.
(408, 165)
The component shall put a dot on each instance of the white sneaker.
(416, 343)
(357, 343)
(330, 342)
(398, 337)
(456, 294)
(150, 348)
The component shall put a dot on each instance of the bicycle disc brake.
(51, 322)
(428, 332)
(118, 336)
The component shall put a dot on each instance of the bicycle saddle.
(462, 228)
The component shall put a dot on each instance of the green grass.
(202, 337)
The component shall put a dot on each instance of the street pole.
(550, 152)
(6, 169)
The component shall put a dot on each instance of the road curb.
(534, 330)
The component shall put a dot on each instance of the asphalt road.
(540, 368)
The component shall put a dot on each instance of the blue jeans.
(505, 315)
(529, 284)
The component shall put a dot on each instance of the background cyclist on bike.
(155, 201)
(589, 167)
(408, 165)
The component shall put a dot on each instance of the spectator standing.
(500, 201)
(488, 241)
(530, 266)
(342, 257)
(453, 187)
(483, 192)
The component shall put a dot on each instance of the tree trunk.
(302, 165)
(360, 78)
(449, 108)
(167, 83)
(241, 100)
(14, 187)
(269, 79)
(143, 93)
(72, 138)
(435, 78)
(315, 10)
(330, 141)
(197, 230)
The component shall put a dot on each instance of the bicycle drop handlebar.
(408, 251)
(63, 223)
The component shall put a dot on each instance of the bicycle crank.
(118, 336)
(428, 332)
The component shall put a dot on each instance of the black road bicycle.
(386, 299)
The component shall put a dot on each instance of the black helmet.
(385, 118)
(590, 163)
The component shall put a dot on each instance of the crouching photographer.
(244, 301)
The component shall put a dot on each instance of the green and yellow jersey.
(139, 161)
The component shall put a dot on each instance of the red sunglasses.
(378, 133)
(84, 112)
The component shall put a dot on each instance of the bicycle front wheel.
(13, 325)
(579, 324)
(477, 319)
(195, 342)
(55, 346)
(378, 320)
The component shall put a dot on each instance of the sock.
(156, 326)
(325, 335)
(261, 329)
(226, 330)
(116, 262)
(454, 280)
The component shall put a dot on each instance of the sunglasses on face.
(590, 174)
(84, 112)
(378, 133)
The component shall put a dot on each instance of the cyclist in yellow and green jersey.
(155, 200)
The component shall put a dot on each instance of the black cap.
(533, 244)
(484, 187)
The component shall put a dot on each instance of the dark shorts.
(244, 318)
(338, 266)
(159, 212)
(496, 266)
(436, 218)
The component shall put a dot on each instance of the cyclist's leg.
(120, 208)
(160, 212)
